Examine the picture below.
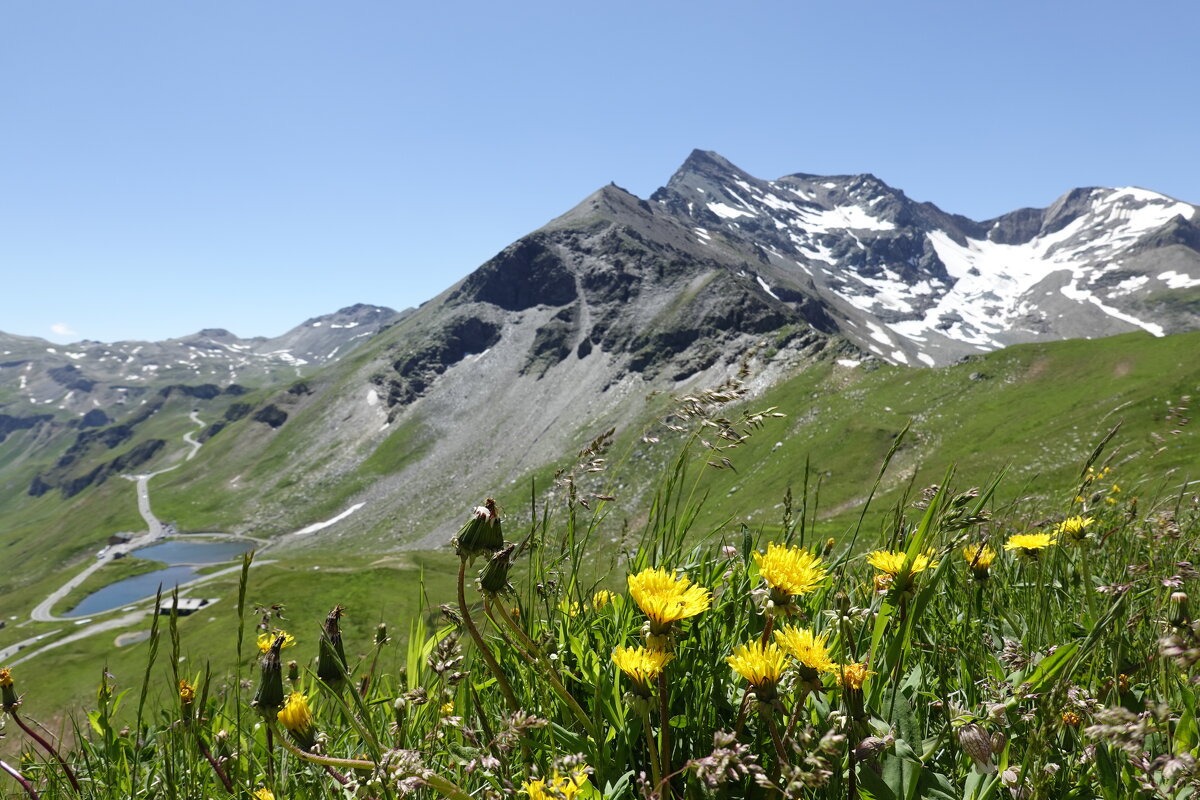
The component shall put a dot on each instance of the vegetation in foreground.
(970, 647)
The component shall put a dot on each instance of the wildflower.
(666, 599)
(852, 676)
(447, 709)
(187, 692)
(1070, 719)
(265, 640)
(1030, 544)
(482, 533)
(297, 717)
(8, 695)
(641, 665)
(557, 787)
(978, 745)
(264, 794)
(979, 558)
(891, 562)
(810, 650)
(789, 571)
(1074, 528)
(601, 598)
(761, 665)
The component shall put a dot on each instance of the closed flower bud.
(493, 578)
(999, 742)
(331, 657)
(481, 534)
(269, 696)
(8, 694)
(1178, 613)
(977, 744)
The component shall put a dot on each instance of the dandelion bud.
(8, 695)
(482, 532)
(493, 578)
(331, 658)
(977, 744)
(269, 696)
(381, 637)
(1179, 614)
(829, 543)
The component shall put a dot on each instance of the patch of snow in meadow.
(318, 526)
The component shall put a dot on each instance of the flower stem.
(212, 762)
(441, 785)
(651, 748)
(791, 727)
(484, 651)
(664, 729)
(25, 784)
(49, 748)
(551, 674)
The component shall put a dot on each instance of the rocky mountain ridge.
(571, 330)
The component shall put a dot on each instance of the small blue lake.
(182, 557)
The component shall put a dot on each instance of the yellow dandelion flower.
(667, 598)
(852, 676)
(601, 598)
(6, 678)
(1071, 719)
(187, 692)
(1030, 544)
(297, 717)
(641, 665)
(890, 562)
(557, 787)
(980, 558)
(789, 571)
(264, 794)
(447, 709)
(1074, 528)
(810, 650)
(761, 665)
(265, 640)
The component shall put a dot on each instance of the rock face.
(915, 285)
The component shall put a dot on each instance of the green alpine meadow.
(964, 582)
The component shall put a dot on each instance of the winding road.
(154, 531)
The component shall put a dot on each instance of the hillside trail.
(154, 531)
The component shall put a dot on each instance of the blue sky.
(166, 167)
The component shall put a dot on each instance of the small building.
(119, 538)
(187, 605)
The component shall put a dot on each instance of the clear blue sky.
(246, 164)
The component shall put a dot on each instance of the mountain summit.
(571, 330)
(916, 285)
